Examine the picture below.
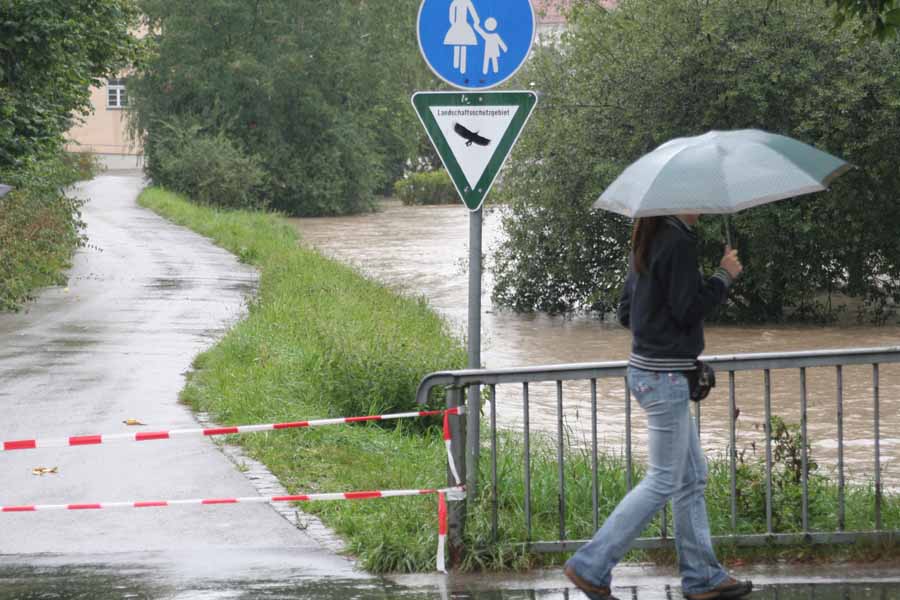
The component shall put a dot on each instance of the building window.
(115, 94)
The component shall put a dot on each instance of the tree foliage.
(319, 91)
(879, 18)
(51, 52)
(620, 83)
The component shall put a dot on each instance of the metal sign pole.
(473, 401)
(474, 131)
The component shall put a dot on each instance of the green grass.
(320, 340)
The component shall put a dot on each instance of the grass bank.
(320, 340)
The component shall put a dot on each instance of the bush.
(82, 165)
(210, 169)
(431, 187)
(39, 230)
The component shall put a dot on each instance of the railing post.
(456, 511)
(473, 440)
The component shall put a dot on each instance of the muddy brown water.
(423, 250)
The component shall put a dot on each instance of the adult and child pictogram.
(462, 35)
(475, 44)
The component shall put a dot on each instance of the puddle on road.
(70, 344)
(169, 284)
(122, 582)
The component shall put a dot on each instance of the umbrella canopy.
(720, 172)
(4, 189)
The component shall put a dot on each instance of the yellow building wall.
(104, 131)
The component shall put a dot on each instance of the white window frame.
(116, 94)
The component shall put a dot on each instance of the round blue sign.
(475, 44)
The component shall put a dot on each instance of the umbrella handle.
(728, 231)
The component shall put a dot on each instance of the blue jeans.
(677, 471)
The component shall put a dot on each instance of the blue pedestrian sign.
(475, 44)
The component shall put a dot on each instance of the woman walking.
(664, 303)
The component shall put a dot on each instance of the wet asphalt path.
(144, 297)
(114, 578)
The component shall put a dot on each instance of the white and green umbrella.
(720, 172)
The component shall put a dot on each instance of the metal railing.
(467, 441)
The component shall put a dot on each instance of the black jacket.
(665, 306)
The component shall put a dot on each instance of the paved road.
(144, 297)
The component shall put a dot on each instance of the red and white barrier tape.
(442, 531)
(246, 500)
(447, 444)
(145, 436)
(455, 493)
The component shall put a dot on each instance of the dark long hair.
(642, 235)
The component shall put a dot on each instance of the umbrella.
(720, 172)
(4, 189)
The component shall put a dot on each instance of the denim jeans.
(677, 470)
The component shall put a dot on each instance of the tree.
(880, 18)
(622, 82)
(51, 53)
(319, 91)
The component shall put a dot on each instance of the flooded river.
(423, 250)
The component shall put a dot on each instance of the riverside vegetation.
(322, 341)
(650, 71)
(40, 227)
(426, 187)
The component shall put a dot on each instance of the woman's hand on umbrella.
(731, 263)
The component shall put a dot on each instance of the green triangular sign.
(473, 134)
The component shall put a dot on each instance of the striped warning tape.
(145, 436)
(442, 532)
(453, 493)
(448, 444)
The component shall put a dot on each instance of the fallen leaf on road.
(133, 422)
(44, 470)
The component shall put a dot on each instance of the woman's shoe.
(727, 590)
(590, 590)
